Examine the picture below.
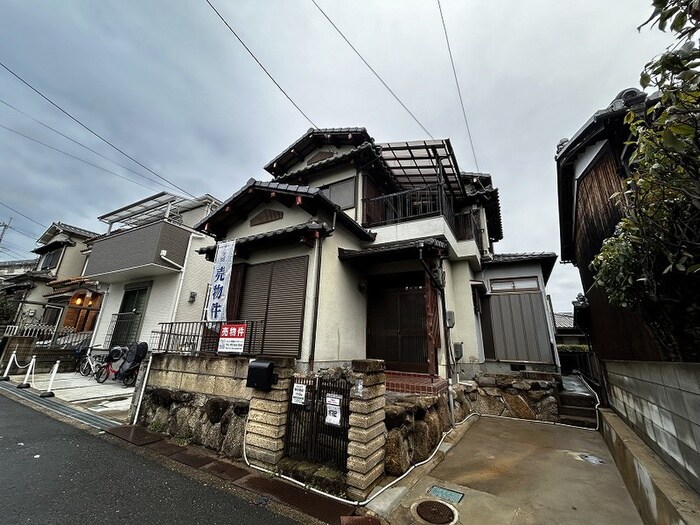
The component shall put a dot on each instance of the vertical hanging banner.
(220, 280)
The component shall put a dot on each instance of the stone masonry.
(367, 433)
(267, 419)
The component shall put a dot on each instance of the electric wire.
(23, 232)
(261, 65)
(13, 252)
(459, 91)
(23, 215)
(74, 157)
(81, 144)
(373, 70)
(84, 126)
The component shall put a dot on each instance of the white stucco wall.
(458, 295)
(195, 278)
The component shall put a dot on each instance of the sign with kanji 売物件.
(333, 409)
(220, 280)
(232, 338)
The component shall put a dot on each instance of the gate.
(318, 421)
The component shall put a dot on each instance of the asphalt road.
(54, 473)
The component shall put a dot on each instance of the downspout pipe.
(448, 345)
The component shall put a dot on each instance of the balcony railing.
(193, 338)
(122, 329)
(429, 201)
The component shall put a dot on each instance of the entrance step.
(578, 421)
(411, 383)
(577, 403)
(568, 410)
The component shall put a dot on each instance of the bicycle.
(89, 363)
(105, 369)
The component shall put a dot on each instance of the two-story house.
(145, 266)
(61, 259)
(359, 249)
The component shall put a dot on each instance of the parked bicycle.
(129, 369)
(89, 363)
(105, 369)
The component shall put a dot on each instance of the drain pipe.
(338, 498)
(448, 346)
(317, 286)
(143, 389)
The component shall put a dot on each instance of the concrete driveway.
(520, 472)
(111, 398)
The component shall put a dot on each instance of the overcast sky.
(170, 85)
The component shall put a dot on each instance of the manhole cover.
(592, 459)
(435, 512)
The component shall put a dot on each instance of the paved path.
(523, 473)
(53, 473)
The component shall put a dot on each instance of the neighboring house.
(591, 167)
(148, 268)
(13, 268)
(61, 258)
(365, 250)
(567, 333)
(659, 400)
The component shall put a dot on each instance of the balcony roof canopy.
(153, 208)
(423, 163)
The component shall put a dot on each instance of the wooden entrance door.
(396, 325)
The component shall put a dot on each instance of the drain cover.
(592, 459)
(435, 512)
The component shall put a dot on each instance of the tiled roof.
(564, 320)
(546, 259)
(74, 229)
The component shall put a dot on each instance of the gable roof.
(255, 192)
(310, 141)
(546, 260)
(61, 227)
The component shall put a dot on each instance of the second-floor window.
(50, 260)
(341, 193)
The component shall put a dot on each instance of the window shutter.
(235, 291)
(285, 314)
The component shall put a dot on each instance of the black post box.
(261, 375)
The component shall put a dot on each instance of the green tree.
(652, 262)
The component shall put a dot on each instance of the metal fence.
(38, 330)
(122, 329)
(314, 432)
(408, 205)
(193, 338)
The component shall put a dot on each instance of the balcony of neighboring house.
(151, 240)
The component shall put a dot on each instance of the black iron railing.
(467, 226)
(193, 338)
(428, 201)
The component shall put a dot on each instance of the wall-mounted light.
(193, 297)
(79, 301)
(90, 302)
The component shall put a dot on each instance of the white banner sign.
(220, 280)
(299, 394)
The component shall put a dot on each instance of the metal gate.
(318, 421)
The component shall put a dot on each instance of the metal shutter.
(275, 293)
(285, 311)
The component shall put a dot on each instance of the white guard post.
(5, 376)
(48, 392)
(26, 384)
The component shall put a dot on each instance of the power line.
(74, 157)
(459, 91)
(23, 215)
(81, 144)
(13, 252)
(91, 131)
(373, 70)
(261, 66)
(22, 232)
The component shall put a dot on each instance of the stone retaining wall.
(415, 424)
(514, 396)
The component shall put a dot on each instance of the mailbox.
(458, 351)
(261, 375)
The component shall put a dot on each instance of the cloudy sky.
(170, 85)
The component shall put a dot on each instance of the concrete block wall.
(661, 402)
(214, 376)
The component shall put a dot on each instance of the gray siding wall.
(520, 330)
(661, 402)
(138, 247)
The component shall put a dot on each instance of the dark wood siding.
(275, 293)
(596, 213)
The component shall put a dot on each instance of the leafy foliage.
(652, 263)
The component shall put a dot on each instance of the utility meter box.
(458, 351)
(450, 319)
(261, 375)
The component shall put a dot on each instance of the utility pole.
(4, 226)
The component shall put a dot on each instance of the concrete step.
(568, 410)
(577, 400)
(578, 421)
